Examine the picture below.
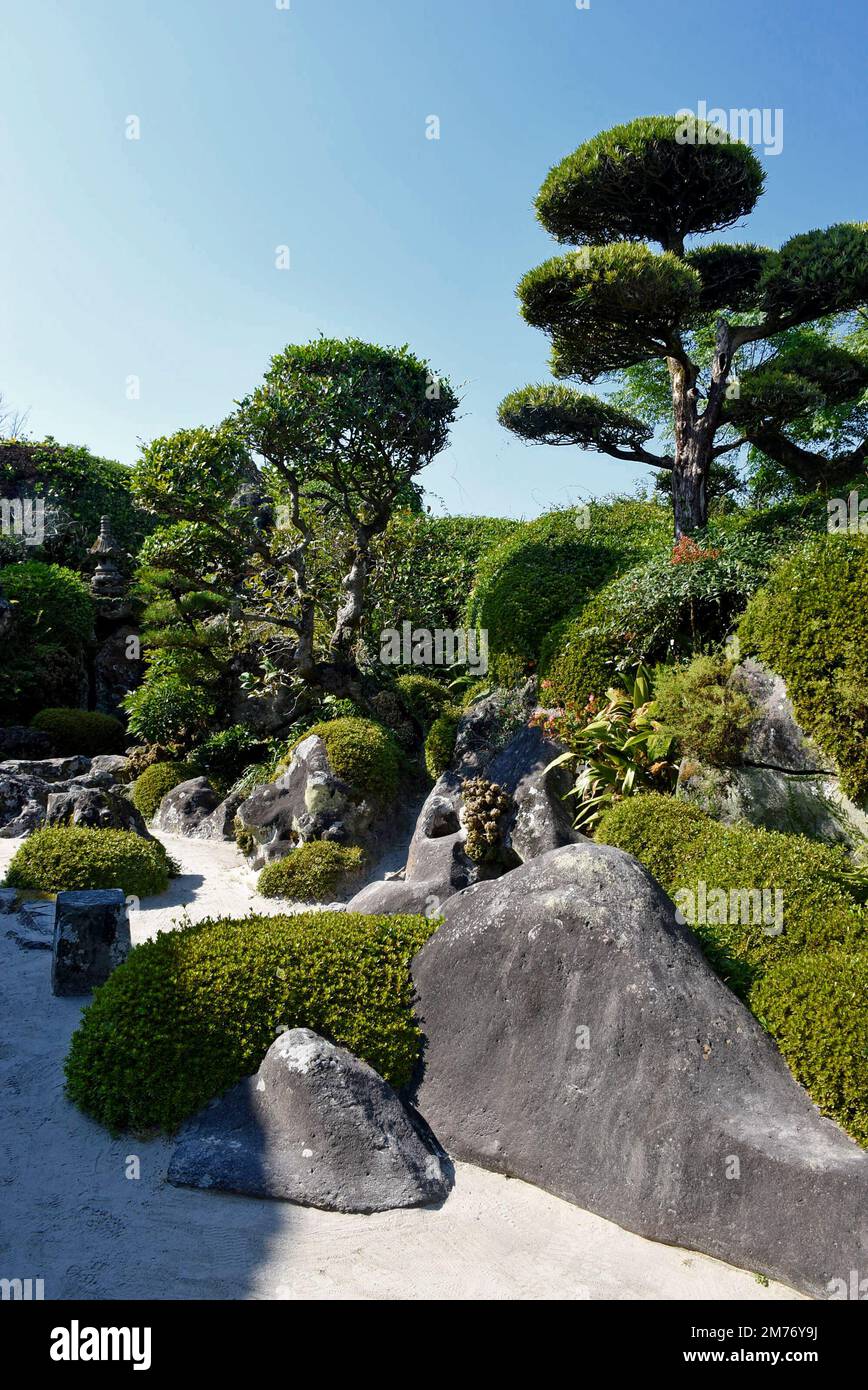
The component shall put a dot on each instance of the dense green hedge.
(549, 569)
(810, 624)
(422, 697)
(816, 1008)
(191, 1012)
(314, 873)
(362, 753)
(81, 731)
(61, 857)
(43, 654)
(153, 784)
(665, 607)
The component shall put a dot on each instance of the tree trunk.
(352, 606)
(692, 453)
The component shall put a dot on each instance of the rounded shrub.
(61, 857)
(81, 731)
(708, 714)
(43, 657)
(684, 849)
(317, 872)
(422, 698)
(362, 753)
(193, 1011)
(810, 624)
(814, 1007)
(168, 710)
(152, 785)
(440, 742)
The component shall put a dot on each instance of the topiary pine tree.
(616, 303)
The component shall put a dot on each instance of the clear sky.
(305, 127)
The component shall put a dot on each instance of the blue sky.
(306, 127)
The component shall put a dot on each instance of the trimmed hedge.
(440, 742)
(153, 784)
(193, 1011)
(362, 753)
(314, 873)
(422, 698)
(81, 731)
(43, 656)
(810, 624)
(816, 1008)
(61, 857)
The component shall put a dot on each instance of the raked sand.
(72, 1217)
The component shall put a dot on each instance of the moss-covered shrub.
(816, 1008)
(682, 847)
(709, 715)
(810, 624)
(191, 1012)
(422, 698)
(440, 742)
(362, 753)
(61, 857)
(549, 569)
(81, 731)
(168, 709)
(672, 605)
(43, 655)
(317, 872)
(153, 784)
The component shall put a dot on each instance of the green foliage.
(818, 272)
(683, 847)
(362, 753)
(193, 1011)
(639, 180)
(154, 783)
(424, 568)
(317, 872)
(168, 709)
(730, 274)
(671, 605)
(43, 653)
(708, 715)
(51, 604)
(78, 490)
(618, 749)
(61, 857)
(81, 731)
(223, 757)
(422, 697)
(548, 569)
(810, 624)
(193, 474)
(440, 741)
(552, 414)
(814, 1007)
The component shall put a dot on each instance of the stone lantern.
(108, 580)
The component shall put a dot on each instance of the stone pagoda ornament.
(108, 580)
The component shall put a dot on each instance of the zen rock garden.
(304, 928)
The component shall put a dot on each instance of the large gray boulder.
(96, 809)
(784, 781)
(22, 804)
(307, 802)
(46, 769)
(316, 1126)
(576, 1038)
(91, 938)
(184, 808)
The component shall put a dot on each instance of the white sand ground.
(70, 1215)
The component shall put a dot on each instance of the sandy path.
(72, 1216)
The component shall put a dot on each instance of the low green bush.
(168, 709)
(682, 847)
(61, 857)
(317, 872)
(153, 784)
(814, 1006)
(81, 731)
(810, 624)
(440, 742)
(223, 757)
(362, 753)
(422, 698)
(708, 715)
(193, 1011)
